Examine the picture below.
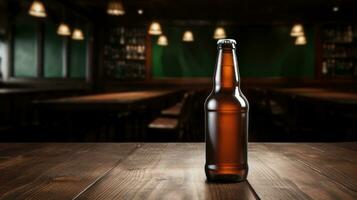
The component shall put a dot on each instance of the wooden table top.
(298, 90)
(341, 97)
(174, 171)
(321, 94)
(106, 101)
(116, 97)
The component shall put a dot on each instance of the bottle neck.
(226, 73)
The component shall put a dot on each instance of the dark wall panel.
(78, 51)
(25, 47)
(53, 53)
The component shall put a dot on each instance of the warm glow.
(335, 9)
(297, 30)
(64, 30)
(140, 11)
(77, 34)
(37, 9)
(162, 40)
(155, 28)
(219, 33)
(187, 36)
(115, 7)
(300, 40)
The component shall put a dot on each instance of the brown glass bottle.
(226, 120)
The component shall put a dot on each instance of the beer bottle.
(226, 120)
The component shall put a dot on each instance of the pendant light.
(63, 29)
(140, 11)
(300, 40)
(162, 40)
(115, 7)
(155, 28)
(297, 30)
(219, 33)
(188, 36)
(37, 9)
(77, 34)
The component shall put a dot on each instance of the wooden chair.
(171, 128)
(173, 111)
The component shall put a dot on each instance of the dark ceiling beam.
(242, 11)
(79, 10)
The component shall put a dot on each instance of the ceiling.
(241, 11)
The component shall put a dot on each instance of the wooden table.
(299, 90)
(333, 96)
(320, 94)
(174, 171)
(115, 100)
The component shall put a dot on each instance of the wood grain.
(299, 172)
(165, 171)
(57, 171)
(174, 171)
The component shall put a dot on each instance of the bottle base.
(226, 173)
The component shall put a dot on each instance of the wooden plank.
(266, 180)
(352, 146)
(172, 171)
(276, 174)
(338, 165)
(164, 171)
(58, 171)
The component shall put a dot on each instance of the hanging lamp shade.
(219, 33)
(300, 40)
(155, 28)
(115, 7)
(297, 30)
(77, 34)
(63, 30)
(37, 9)
(162, 40)
(188, 36)
(140, 11)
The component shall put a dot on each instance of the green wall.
(25, 50)
(263, 51)
(53, 52)
(77, 63)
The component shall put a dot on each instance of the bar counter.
(173, 171)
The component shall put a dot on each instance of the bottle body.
(226, 124)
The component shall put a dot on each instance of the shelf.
(132, 59)
(341, 43)
(339, 58)
(127, 63)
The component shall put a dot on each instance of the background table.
(174, 171)
(113, 100)
(320, 94)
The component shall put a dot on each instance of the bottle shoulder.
(227, 102)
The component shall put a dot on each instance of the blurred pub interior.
(140, 70)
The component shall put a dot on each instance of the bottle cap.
(226, 43)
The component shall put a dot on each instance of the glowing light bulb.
(219, 33)
(162, 40)
(37, 9)
(188, 36)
